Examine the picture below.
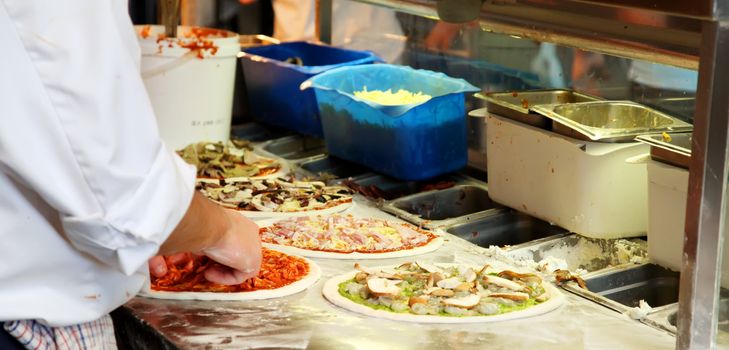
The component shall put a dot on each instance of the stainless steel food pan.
(671, 148)
(330, 169)
(621, 288)
(654, 284)
(507, 228)
(609, 121)
(516, 105)
(437, 209)
(378, 186)
(296, 147)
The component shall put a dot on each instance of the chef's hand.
(239, 251)
(223, 235)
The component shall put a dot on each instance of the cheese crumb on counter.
(389, 98)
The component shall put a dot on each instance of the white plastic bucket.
(190, 82)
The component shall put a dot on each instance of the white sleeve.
(78, 128)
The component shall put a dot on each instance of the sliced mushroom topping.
(542, 297)
(469, 275)
(465, 302)
(383, 287)
(464, 287)
(516, 296)
(428, 267)
(361, 276)
(421, 299)
(503, 282)
(364, 269)
(236, 198)
(526, 277)
(406, 265)
(257, 202)
(439, 292)
(449, 283)
(430, 290)
(434, 278)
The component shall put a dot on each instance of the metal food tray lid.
(611, 120)
(672, 148)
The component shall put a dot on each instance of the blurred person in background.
(89, 191)
(355, 26)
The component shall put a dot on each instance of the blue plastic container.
(408, 142)
(273, 85)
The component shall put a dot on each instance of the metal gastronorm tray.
(516, 105)
(609, 121)
(671, 148)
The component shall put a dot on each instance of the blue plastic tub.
(273, 84)
(409, 142)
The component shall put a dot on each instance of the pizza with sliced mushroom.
(279, 197)
(228, 160)
(442, 293)
(348, 237)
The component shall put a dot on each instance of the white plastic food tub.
(190, 82)
(589, 188)
(667, 194)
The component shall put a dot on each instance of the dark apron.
(7, 341)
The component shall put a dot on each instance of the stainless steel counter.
(307, 320)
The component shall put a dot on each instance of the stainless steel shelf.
(660, 36)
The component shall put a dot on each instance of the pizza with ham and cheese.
(348, 237)
(279, 197)
(281, 274)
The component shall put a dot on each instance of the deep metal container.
(516, 105)
(390, 188)
(507, 228)
(670, 148)
(609, 121)
(330, 168)
(623, 287)
(295, 147)
(442, 208)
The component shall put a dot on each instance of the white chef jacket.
(355, 26)
(87, 189)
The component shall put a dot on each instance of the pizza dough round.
(331, 293)
(290, 289)
(433, 245)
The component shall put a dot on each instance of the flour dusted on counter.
(640, 311)
(551, 264)
(389, 98)
(631, 251)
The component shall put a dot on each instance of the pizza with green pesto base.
(443, 293)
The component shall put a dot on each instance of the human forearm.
(203, 225)
(223, 235)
